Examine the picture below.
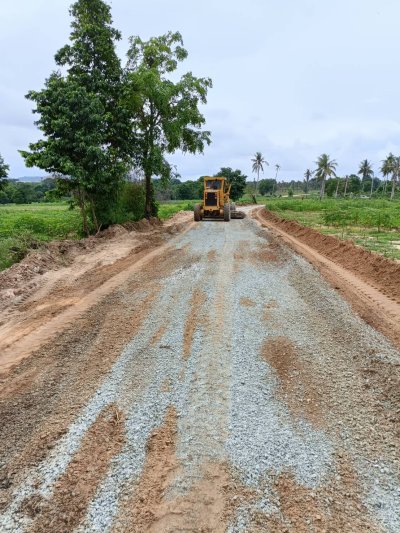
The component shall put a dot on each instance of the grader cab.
(216, 201)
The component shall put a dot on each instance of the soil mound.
(378, 271)
(21, 279)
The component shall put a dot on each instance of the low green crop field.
(168, 209)
(371, 223)
(24, 226)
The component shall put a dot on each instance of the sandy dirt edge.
(38, 305)
(370, 283)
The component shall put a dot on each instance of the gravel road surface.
(223, 386)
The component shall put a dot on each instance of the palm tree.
(277, 168)
(391, 165)
(258, 163)
(307, 176)
(365, 171)
(325, 169)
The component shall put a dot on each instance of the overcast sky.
(292, 78)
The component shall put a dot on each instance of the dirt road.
(213, 383)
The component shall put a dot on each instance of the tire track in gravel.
(77, 486)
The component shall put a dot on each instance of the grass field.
(168, 209)
(373, 224)
(23, 227)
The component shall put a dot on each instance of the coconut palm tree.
(326, 168)
(258, 164)
(307, 176)
(365, 171)
(391, 165)
(277, 168)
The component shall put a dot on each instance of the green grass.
(23, 227)
(371, 223)
(168, 209)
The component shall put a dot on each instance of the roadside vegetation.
(371, 223)
(25, 227)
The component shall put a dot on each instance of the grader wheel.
(197, 213)
(227, 212)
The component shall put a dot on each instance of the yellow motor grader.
(216, 201)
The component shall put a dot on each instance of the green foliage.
(372, 223)
(188, 190)
(86, 128)
(16, 192)
(165, 113)
(3, 173)
(23, 227)
(326, 168)
(236, 179)
(258, 165)
(267, 186)
(290, 192)
(168, 209)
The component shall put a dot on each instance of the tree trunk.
(149, 197)
(82, 207)
(96, 225)
(322, 190)
(345, 187)
(337, 188)
(372, 187)
(393, 187)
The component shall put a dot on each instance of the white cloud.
(291, 78)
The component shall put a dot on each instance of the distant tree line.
(18, 192)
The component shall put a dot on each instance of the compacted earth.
(199, 378)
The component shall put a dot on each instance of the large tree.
(165, 112)
(258, 165)
(391, 166)
(326, 168)
(3, 173)
(236, 180)
(87, 132)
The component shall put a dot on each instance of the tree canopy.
(165, 113)
(326, 168)
(236, 180)
(87, 131)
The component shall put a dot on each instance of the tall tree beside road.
(82, 114)
(3, 172)
(165, 114)
(326, 168)
(258, 164)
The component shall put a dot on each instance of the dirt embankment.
(19, 281)
(381, 273)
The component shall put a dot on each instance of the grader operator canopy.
(216, 201)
